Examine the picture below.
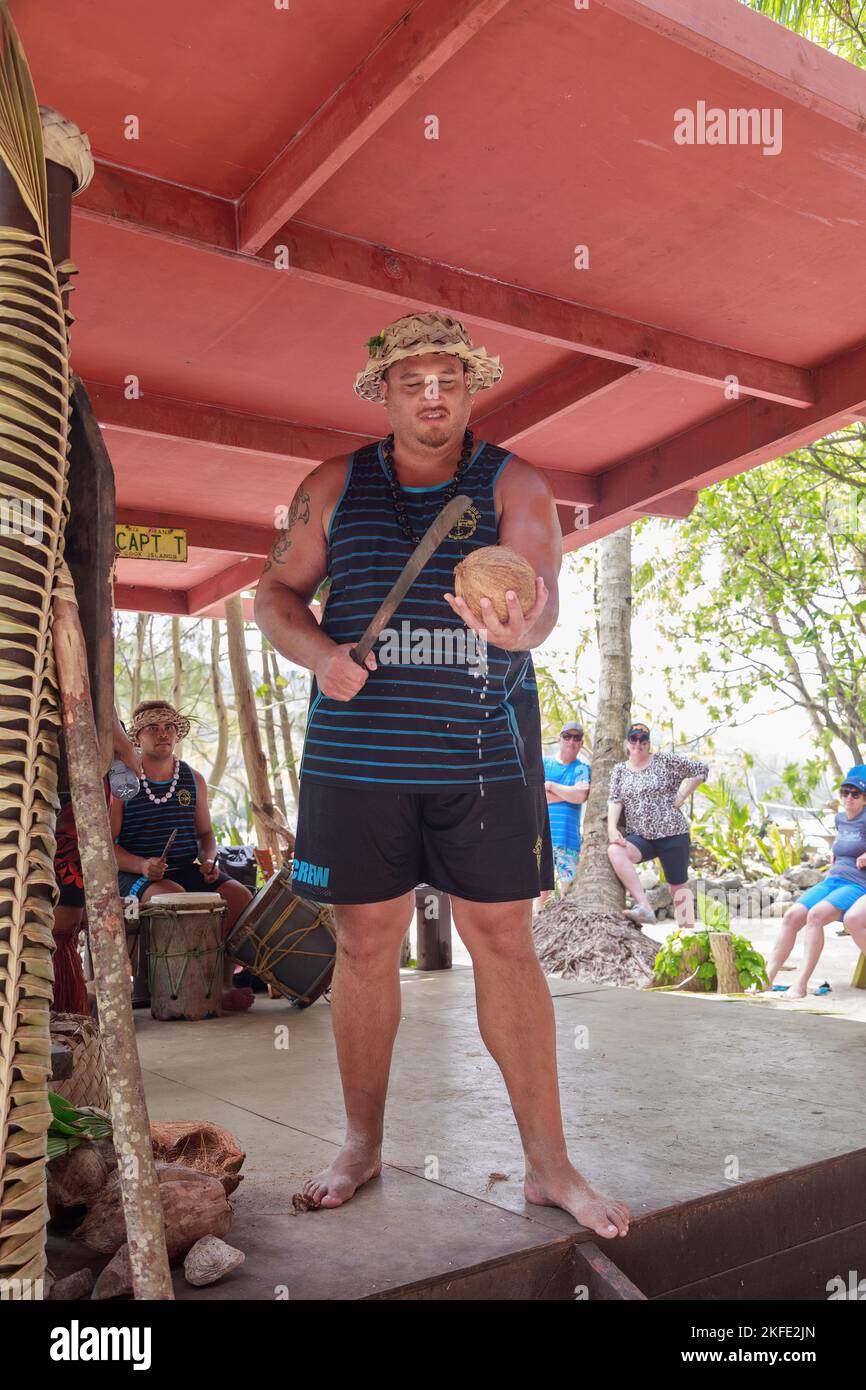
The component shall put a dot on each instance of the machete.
(430, 541)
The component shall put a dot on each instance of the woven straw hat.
(65, 144)
(419, 333)
(158, 714)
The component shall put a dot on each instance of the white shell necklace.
(160, 800)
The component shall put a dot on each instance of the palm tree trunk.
(217, 772)
(585, 934)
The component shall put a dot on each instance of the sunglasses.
(635, 738)
(849, 791)
(576, 738)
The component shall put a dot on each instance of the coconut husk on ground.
(199, 1144)
(77, 1178)
(194, 1204)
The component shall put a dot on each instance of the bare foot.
(794, 992)
(236, 1001)
(566, 1188)
(356, 1163)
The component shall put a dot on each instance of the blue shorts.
(838, 891)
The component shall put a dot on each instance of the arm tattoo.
(298, 512)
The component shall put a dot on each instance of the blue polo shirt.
(565, 819)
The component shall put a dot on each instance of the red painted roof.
(304, 128)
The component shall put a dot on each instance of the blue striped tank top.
(417, 724)
(146, 827)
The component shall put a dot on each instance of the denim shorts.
(839, 892)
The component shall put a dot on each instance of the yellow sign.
(150, 543)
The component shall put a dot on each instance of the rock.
(803, 876)
(660, 896)
(728, 883)
(647, 877)
(661, 914)
(779, 909)
(209, 1260)
(74, 1286)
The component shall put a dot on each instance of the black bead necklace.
(396, 495)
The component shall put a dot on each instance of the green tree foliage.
(768, 577)
(839, 25)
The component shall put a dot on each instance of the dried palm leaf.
(34, 414)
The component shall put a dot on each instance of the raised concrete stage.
(668, 1094)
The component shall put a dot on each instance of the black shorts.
(189, 877)
(366, 845)
(672, 850)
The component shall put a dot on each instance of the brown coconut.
(490, 572)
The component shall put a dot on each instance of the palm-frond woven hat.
(157, 712)
(420, 333)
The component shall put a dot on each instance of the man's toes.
(331, 1201)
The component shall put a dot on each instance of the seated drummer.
(172, 797)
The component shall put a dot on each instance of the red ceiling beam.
(673, 504)
(326, 258)
(586, 381)
(147, 598)
(204, 424)
(748, 43)
(209, 424)
(240, 538)
(243, 575)
(411, 53)
(749, 434)
(147, 203)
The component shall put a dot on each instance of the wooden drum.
(287, 941)
(184, 938)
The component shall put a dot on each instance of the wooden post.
(722, 947)
(251, 740)
(433, 924)
(139, 1187)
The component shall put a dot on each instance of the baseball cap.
(637, 729)
(572, 727)
(856, 778)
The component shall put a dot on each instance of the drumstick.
(171, 839)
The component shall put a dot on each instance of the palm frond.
(34, 401)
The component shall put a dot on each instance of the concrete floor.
(666, 1090)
